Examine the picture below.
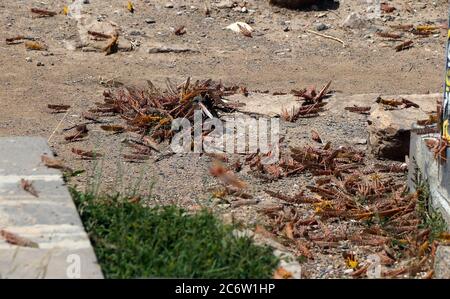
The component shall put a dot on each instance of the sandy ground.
(280, 56)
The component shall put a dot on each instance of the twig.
(326, 36)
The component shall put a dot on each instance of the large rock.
(390, 130)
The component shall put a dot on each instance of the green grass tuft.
(133, 241)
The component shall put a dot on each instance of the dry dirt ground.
(280, 56)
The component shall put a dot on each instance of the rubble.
(389, 130)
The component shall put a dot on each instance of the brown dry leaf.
(28, 186)
(14, 239)
(282, 273)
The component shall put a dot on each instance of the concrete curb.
(438, 177)
(51, 220)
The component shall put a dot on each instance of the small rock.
(29, 59)
(40, 64)
(360, 141)
(321, 27)
(168, 5)
(150, 21)
(136, 33)
(354, 20)
(244, 10)
(225, 4)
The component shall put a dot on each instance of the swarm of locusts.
(149, 112)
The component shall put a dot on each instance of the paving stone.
(50, 220)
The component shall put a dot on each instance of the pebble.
(168, 5)
(150, 21)
(29, 59)
(136, 33)
(225, 4)
(40, 64)
(321, 27)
